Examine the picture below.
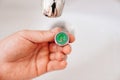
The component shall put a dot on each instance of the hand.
(29, 53)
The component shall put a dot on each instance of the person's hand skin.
(30, 53)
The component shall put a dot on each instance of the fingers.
(72, 38)
(56, 65)
(66, 49)
(39, 36)
(58, 56)
(55, 48)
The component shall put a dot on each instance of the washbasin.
(96, 23)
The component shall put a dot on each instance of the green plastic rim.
(61, 38)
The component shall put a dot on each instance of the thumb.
(38, 36)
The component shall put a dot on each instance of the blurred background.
(96, 51)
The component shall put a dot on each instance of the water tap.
(53, 8)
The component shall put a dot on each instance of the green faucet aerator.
(62, 38)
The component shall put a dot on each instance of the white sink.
(96, 51)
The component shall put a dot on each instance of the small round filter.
(62, 38)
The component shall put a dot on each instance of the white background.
(96, 51)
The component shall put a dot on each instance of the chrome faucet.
(53, 8)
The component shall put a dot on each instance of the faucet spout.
(53, 8)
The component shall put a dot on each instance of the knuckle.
(22, 32)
